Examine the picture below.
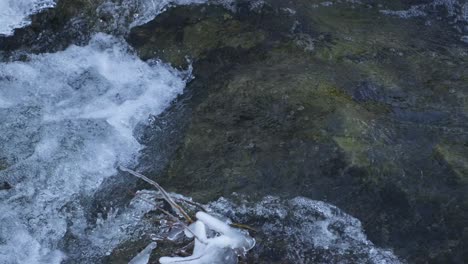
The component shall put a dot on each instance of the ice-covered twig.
(173, 217)
(222, 247)
(166, 196)
(215, 241)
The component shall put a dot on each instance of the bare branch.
(199, 206)
(173, 217)
(166, 196)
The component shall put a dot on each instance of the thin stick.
(166, 196)
(192, 203)
(241, 226)
(171, 216)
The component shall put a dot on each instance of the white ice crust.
(215, 242)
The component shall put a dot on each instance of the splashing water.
(126, 14)
(15, 13)
(312, 231)
(67, 120)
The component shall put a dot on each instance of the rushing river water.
(67, 120)
(70, 118)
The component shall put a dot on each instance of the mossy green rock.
(456, 156)
(54, 29)
(340, 104)
(196, 33)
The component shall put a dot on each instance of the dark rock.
(347, 108)
(5, 186)
(53, 29)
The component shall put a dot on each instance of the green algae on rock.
(341, 104)
(190, 32)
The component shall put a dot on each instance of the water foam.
(125, 14)
(311, 231)
(67, 120)
(148, 9)
(455, 10)
(14, 13)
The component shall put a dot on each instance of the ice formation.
(144, 256)
(215, 242)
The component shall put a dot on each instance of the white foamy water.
(66, 120)
(15, 13)
(148, 9)
(311, 231)
(456, 10)
(124, 14)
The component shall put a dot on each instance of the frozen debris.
(215, 242)
(144, 256)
